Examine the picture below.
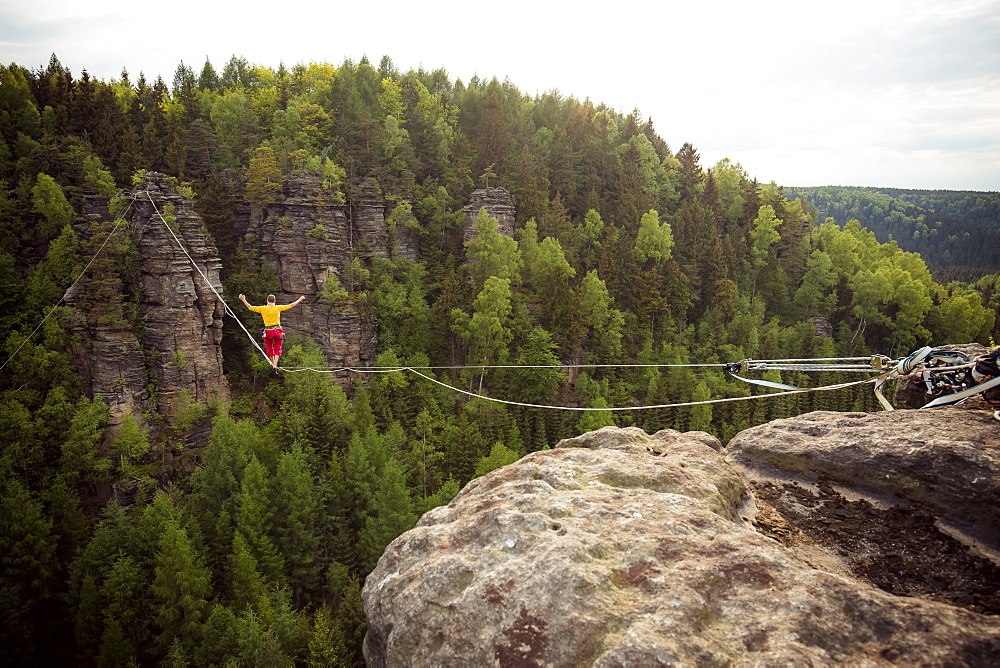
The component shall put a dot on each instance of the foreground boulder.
(619, 548)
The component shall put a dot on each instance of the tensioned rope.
(639, 408)
(887, 369)
(118, 223)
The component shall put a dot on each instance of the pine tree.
(295, 506)
(181, 587)
(216, 484)
(89, 622)
(701, 416)
(391, 514)
(126, 605)
(116, 649)
(221, 645)
(246, 585)
(350, 624)
(325, 644)
(263, 179)
(255, 520)
(28, 567)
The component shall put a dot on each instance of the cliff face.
(143, 361)
(619, 548)
(370, 228)
(310, 235)
(148, 327)
(498, 202)
(307, 239)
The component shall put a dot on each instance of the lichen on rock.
(624, 548)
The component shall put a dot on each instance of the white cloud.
(852, 92)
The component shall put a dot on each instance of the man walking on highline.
(273, 334)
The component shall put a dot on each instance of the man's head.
(270, 299)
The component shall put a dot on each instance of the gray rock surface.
(945, 459)
(178, 312)
(622, 549)
(306, 237)
(498, 202)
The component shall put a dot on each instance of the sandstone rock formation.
(909, 500)
(178, 315)
(371, 235)
(498, 202)
(621, 549)
(307, 238)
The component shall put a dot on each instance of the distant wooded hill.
(956, 232)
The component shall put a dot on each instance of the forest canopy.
(625, 250)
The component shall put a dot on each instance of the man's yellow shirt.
(271, 313)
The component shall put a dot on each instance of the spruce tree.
(351, 625)
(221, 644)
(181, 588)
(325, 646)
(392, 514)
(295, 506)
(255, 520)
(28, 567)
(217, 483)
(126, 604)
(246, 586)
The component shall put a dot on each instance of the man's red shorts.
(272, 341)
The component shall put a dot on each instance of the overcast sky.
(854, 92)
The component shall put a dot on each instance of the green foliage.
(49, 200)
(500, 455)
(623, 251)
(79, 458)
(655, 242)
(391, 514)
(181, 586)
(764, 235)
(131, 444)
(263, 178)
(187, 412)
(492, 254)
(957, 233)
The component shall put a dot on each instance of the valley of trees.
(956, 233)
(626, 251)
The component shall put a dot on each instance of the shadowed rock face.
(498, 202)
(619, 548)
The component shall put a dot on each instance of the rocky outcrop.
(946, 460)
(307, 239)
(908, 500)
(498, 202)
(372, 234)
(822, 326)
(618, 548)
(165, 341)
